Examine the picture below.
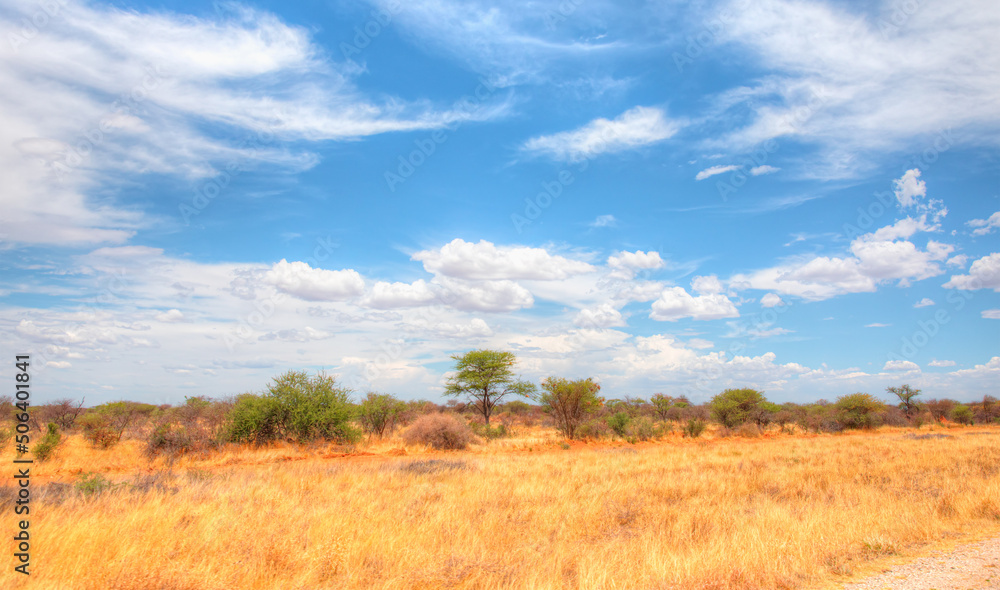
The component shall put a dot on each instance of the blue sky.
(798, 196)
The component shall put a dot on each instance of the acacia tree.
(485, 377)
(570, 402)
(907, 401)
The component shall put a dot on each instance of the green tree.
(485, 377)
(962, 414)
(295, 406)
(378, 413)
(907, 399)
(661, 405)
(858, 410)
(733, 407)
(570, 402)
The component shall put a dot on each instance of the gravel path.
(968, 567)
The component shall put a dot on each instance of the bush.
(593, 429)
(962, 414)
(490, 432)
(694, 428)
(43, 450)
(97, 430)
(170, 439)
(642, 428)
(619, 423)
(92, 484)
(441, 431)
(748, 430)
(569, 402)
(379, 412)
(295, 407)
(733, 407)
(858, 410)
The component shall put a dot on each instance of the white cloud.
(306, 334)
(494, 296)
(604, 221)
(602, 316)
(636, 127)
(958, 260)
(765, 169)
(900, 366)
(909, 188)
(925, 302)
(983, 274)
(877, 325)
(771, 300)
(385, 295)
(991, 314)
(625, 264)
(484, 260)
(985, 226)
(172, 315)
(707, 285)
(700, 343)
(314, 284)
(937, 363)
(676, 303)
(476, 328)
(860, 83)
(100, 94)
(714, 170)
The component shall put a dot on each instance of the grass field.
(787, 511)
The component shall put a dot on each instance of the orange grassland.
(781, 511)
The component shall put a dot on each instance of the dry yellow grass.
(786, 512)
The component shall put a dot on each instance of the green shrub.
(92, 484)
(858, 410)
(694, 428)
(441, 431)
(962, 414)
(619, 422)
(295, 407)
(379, 412)
(43, 450)
(593, 429)
(733, 407)
(643, 429)
(490, 432)
(168, 438)
(98, 431)
(569, 402)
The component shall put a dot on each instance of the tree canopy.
(485, 377)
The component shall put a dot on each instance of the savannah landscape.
(570, 491)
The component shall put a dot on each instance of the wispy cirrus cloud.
(637, 127)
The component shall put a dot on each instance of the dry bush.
(748, 430)
(441, 431)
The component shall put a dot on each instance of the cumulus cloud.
(625, 264)
(172, 315)
(675, 303)
(385, 295)
(494, 296)
(985, 226)
(771, 300)
(314, 284)
(636, 127)
(983, 274)
(909, 188)
(707, 285)
(485, 260)
(602, 316)
(900, 366)
(604, 221)
(937, 363)
(925, 302)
